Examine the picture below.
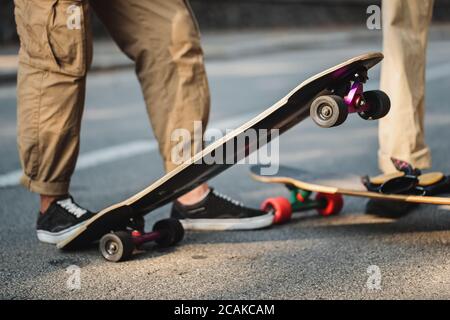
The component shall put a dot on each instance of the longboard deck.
(331, 182)
(284, 114)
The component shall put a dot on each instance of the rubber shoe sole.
(55, 237)
(253, 223)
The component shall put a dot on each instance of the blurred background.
(215, 15)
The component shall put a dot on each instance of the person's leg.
(55, 52)
(401, 132)
(162, 38)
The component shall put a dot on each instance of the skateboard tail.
(102, 223)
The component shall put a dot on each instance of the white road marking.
(253, 69)
(121, 151)
(10, 179)
(94, 158)
(258, 69)
(95, 114)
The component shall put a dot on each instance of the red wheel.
(333, 203)
(282, 209)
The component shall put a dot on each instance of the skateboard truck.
(120, 245)
(332, 110)
(354, 99)
(300, 200)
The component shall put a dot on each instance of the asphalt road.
(312, 257)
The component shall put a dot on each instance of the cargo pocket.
(53, 35)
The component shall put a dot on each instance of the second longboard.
(323, 191)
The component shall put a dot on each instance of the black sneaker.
(388, 208)
(219, 212)
(61, 220)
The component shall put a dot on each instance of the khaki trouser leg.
(162, 38)
(55, 52)
(401, 132)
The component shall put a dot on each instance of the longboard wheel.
(171, 230)
(117, 246)
(281, 207)
(328, 111)
(379, 105)
(333, 203)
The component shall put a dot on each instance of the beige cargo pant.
(160, 36)
(401, 132)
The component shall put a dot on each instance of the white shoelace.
(227, 198)
(72, 207)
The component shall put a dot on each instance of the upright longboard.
(328, 187)
(344, 79)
